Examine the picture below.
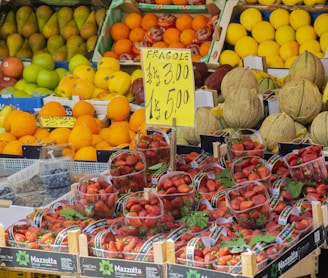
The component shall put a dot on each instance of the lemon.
(289, 61)
(246, 46)
(251, 1)
(229, 57)
(263, 31)
(289, 49)
(108, 62)
(275, 61)
(101, 78)
(320, 24)
(269, 2)
(284, 34)
(324, 42)
(249, 17)
(279, 17)
(234, 32)
(292, 2)
(311, 46)
(85, 72)
(119, 82)
(299, 17)
(305, 33)
(268, 47)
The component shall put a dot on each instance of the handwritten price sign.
(169, 86)
(53, 122)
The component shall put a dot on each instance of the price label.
(53, 122)
(169, 86)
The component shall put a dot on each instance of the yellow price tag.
(53, 122)
(169, 86)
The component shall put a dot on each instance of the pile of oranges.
(163, 31)
(88, 134)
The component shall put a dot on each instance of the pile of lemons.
(280, 39)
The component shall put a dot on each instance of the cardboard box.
(231, 13)
(119, 9)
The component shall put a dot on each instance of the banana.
(218, 110)
(259, 74)
(325, 94)
(262, 74)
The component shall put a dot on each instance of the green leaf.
(225, 177)
(268, 238)
(196, 218)
(158, 166)
(234, 243)
(295, 188)
(71, 214)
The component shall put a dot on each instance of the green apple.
(20, 84)
(44, 60)
(61, 72)
(18, 93)
(41, 91)
(31, 72)
(77, 60)
(29, 88)
(8, 90)
(48, 79)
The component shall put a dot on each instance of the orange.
(68, 152)
(104, 133)
(148, 21)
(143, 128)
(204, 48)
(196, 58)
(89, 122)
(103, 145)
(60, 135)
(110, 54)
(118, 136)
(176, 45)
(136, 119)
(199, 21)
(137, 34)
(133, 20)
(132, 135)
(118, 109)
(40, 134)
(80, 136)
(52, 109)
(187, 36)
(23, 124)
(122, 46)
(11, 118)
(119, 30)
(183, 22)
(160, 44)
(171, 35)
(87, 153)
(124, 124)
(7, 137)
(27, 139)
(179, 2)
(96, 138)
(2, 146)
(163, 2)
(14, 148)
(83, 107)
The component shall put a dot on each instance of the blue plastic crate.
(29, 104)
